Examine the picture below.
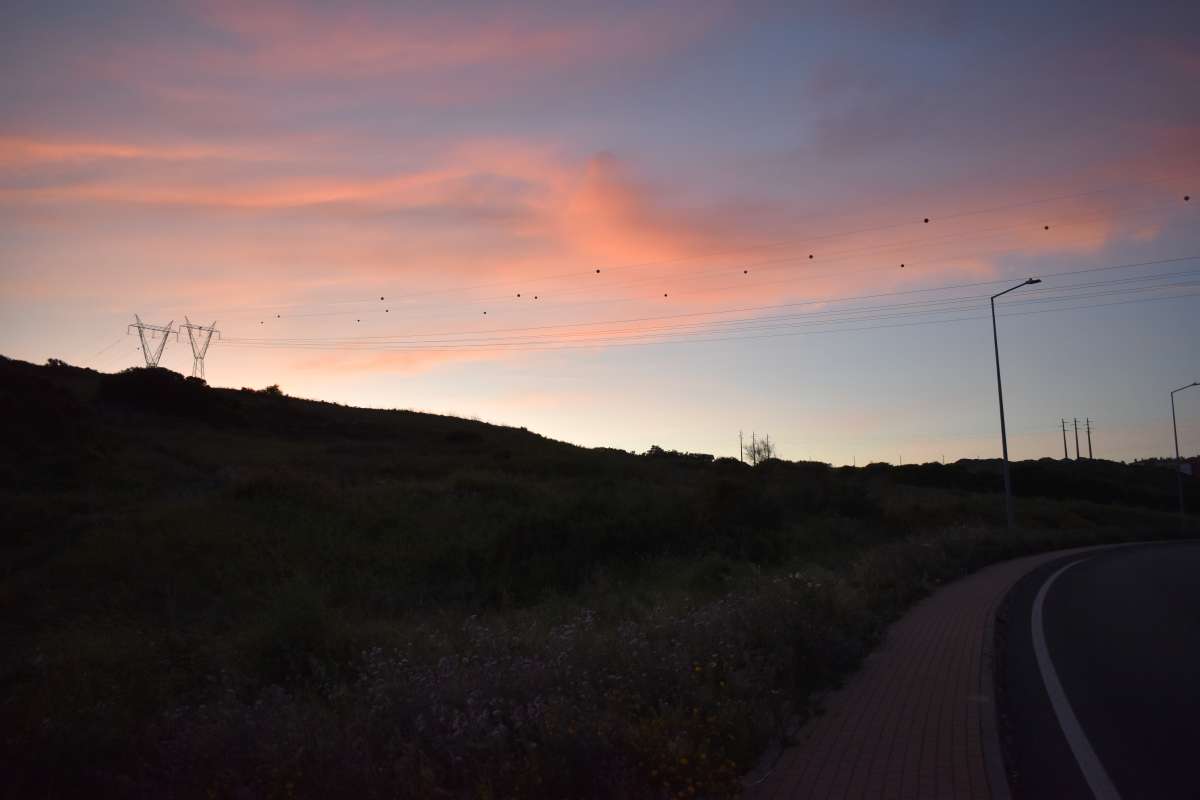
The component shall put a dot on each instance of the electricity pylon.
(200, 337)
(142, 329)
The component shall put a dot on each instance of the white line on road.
(1097, 777)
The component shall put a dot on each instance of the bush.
(158, 391)
(657, 452)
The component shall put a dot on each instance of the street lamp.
(1178, 460)
(1008, 506)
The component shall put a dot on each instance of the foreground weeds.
(677, 699)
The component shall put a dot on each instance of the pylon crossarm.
(152, 355)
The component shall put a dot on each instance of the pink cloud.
(242, 57)
(29, 151)
(295, 39)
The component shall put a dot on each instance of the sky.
(624, 224)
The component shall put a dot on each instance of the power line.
(799, 243)
(780, 263)
(383, 347)
(745, 309)
(777, 263)
(843, 255)
(869, 313)
(948, 305)
(104, 350)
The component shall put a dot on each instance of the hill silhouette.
(236, 591)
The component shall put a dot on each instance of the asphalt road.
(1099, 675)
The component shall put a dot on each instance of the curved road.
(1099, 675)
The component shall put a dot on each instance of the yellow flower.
(683, 761)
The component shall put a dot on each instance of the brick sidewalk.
(917, 721)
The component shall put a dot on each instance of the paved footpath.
(918, 720)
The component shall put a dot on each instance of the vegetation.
(759, 449)
(237, 593)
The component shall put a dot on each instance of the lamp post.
(1008, 505)
(1178, 460)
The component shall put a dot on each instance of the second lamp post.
(1178, 460)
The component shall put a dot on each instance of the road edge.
(995, 762)
(989, 728)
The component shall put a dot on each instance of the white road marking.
(1093, 771)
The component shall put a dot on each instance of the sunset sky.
(747, 178)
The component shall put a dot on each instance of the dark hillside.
(210, 592)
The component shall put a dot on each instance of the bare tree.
(759, 450)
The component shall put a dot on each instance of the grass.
(236, 593)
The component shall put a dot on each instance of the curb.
(989, 729)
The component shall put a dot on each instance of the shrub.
(158, 391)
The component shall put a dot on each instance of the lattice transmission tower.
(200, 338)
(147, 333)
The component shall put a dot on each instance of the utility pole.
(142, 329)
(1089, 435)
(741, 449)
(1178, 460)
(1076, 438)
(753, 449)
(1008, 503)
(200, 337)
(1066, 455)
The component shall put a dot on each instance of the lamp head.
(1034, 280)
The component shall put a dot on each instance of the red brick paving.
(913, 722)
